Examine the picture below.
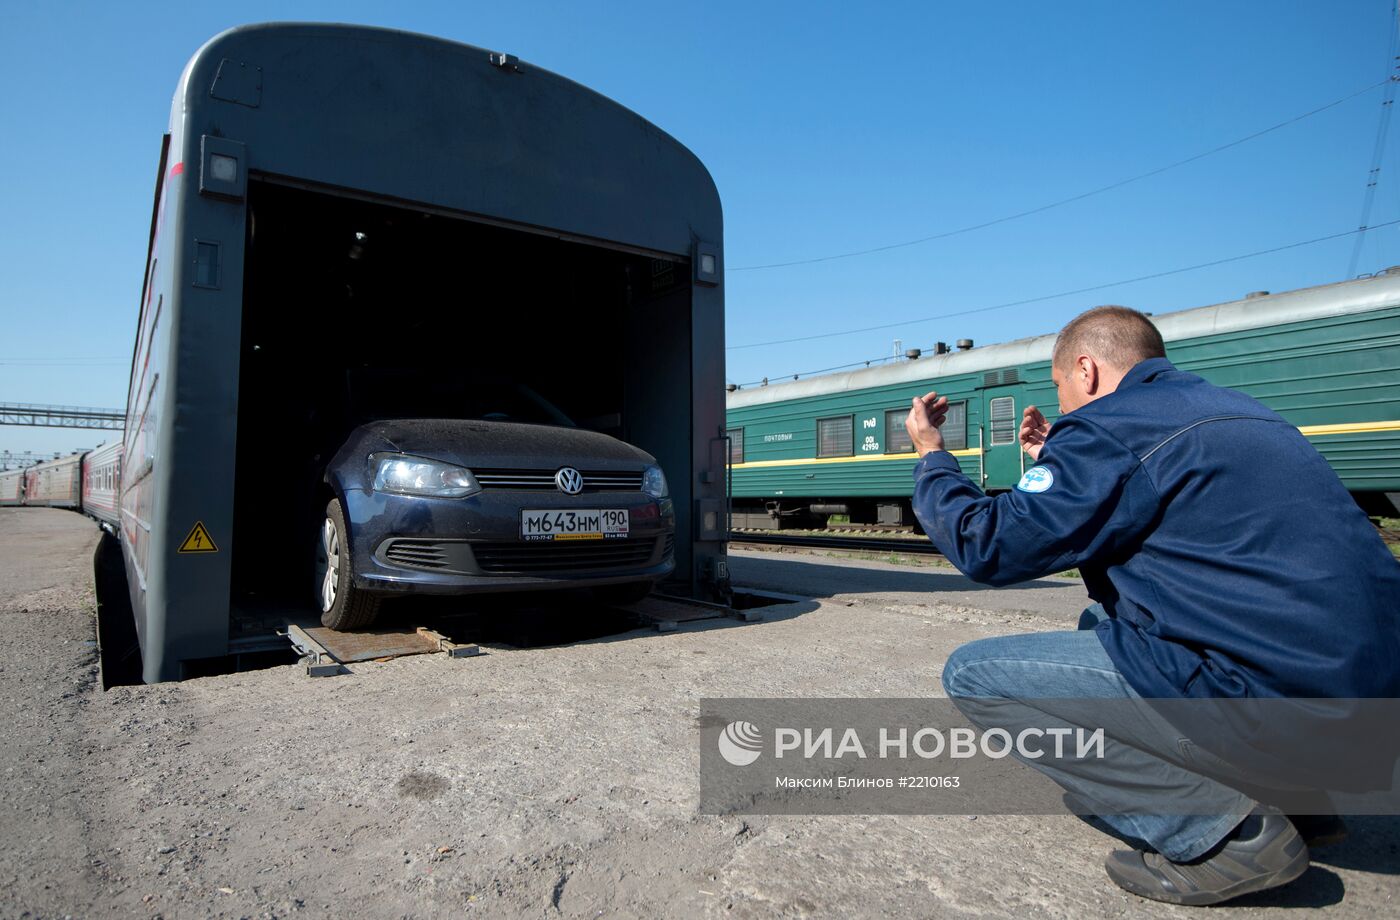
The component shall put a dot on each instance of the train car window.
(836, 436)
(897, 440)
(955, 427)
(954, 430)
(736, 444)
(1003, 415)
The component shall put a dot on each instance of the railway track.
(909, 545)
(917, 546)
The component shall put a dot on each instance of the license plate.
(588, 524)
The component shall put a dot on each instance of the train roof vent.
(1255, 295)
(997, 378)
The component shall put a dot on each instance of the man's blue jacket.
(1230, 558)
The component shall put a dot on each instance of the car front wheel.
(343, 606)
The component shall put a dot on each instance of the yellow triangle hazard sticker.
(198, 541)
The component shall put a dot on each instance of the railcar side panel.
(781, 460)
(12, 487)
(101, 478)
(55, 484)
(1337, 379)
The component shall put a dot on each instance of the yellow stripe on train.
(1350, 428)
(909, 455)
(1310, 430)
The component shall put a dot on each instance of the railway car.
(334, 202)
(11, 487)
(102, 476)
(55, 483)
(1326, 358)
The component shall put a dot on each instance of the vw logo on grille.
(569, 481)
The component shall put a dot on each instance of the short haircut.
(1116, 336)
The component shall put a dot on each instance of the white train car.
(12, 487)
(56, 484)
(102, 476)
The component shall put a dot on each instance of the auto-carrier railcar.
(335, 198)
(11, 487)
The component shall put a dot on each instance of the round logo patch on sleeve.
(1036, 479)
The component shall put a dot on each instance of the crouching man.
(1228, 563)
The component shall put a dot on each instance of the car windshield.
(380, 393)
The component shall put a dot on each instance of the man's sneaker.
(1264, 852)
(1320, 831)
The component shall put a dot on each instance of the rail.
(908, 545)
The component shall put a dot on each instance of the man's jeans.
(997, 683)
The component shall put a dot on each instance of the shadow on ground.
(560, 619)
(1373, 846)
(798, 573)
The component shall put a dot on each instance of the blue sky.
(828, 128)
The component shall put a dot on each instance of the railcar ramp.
(666, 613)
(327, 651)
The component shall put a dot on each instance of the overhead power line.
(1071, 199)
(1378, 152)
(1082, 290)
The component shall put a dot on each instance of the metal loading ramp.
(327, 652)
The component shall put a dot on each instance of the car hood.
(506, 445)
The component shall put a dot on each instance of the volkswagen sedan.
(511, 498)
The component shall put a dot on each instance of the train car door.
(1002, 459)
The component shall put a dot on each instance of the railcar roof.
(68, 460)
(1287, 307)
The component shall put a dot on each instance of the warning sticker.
(198, 541)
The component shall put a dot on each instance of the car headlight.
(415, 476)
(654, 482)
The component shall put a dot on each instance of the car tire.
(343, 606)
(623, 595)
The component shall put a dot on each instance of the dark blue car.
(502, 493)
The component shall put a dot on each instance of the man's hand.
(924, 420)
(1034, 430)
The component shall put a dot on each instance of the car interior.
(357, 309)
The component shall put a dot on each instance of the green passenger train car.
(1326, 358)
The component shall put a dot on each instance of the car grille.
(543, 480)
(420, 554)
(562, 556)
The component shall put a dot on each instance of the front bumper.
(406, 544)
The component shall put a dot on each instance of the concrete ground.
(547, 781)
